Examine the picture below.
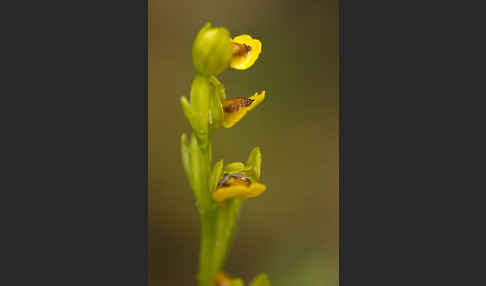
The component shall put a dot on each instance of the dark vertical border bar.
(77, 144)
(340, 123)
(387, 76)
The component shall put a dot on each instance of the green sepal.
(200, 97)
(261, 280)
(216, 175)
(195, 162)
(187, 109)
(235, 167)
(219, 87)
(253, 165)
(216, 115)
(252, 168)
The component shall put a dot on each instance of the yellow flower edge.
(232, 118)
(257, 99)
(239, 191)
(246, 61)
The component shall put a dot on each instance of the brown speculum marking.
(229, 179)
(239, 50)
(234, 104)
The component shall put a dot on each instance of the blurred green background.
(291, 231)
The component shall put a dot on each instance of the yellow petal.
(255, 190)
(239, 191)
(222, 194)
(231, 118)
(257, 99)
(247, 60)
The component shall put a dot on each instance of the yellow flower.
(237, 186)
(245, 52)
(222, 279)
(235, 108)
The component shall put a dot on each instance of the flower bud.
(211, 52)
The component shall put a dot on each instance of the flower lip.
(245, 51)
(237, 186)
(236, 108)
(234, 104)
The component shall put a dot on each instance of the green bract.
(211, 52)
(200, 92)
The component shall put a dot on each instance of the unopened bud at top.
(212, 50)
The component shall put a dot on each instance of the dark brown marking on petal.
(234, 104)
(238, 50)
(226, 180)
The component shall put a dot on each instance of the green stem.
(217, 231)
(208, 214)
(207, 271)
(217, 219)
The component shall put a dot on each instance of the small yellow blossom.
(237, 186)
(236, 108)
(222, 279)
(245, 52)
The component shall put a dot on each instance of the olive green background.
(291, 230)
